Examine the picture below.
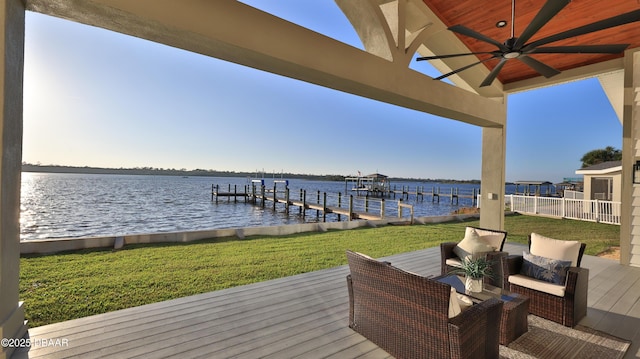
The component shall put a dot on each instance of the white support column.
(12, 324)
(630, 208)
(492, 185)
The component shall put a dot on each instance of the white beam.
(579, 73)
(238, 33)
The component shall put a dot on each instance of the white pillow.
(555, 249)
(471, 246)
(458, 303)
(464, 301)
(454, 306)
(491, 238)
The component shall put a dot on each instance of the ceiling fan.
(518, 48)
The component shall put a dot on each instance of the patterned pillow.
(545, 269)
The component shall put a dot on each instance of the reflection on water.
(85, 205)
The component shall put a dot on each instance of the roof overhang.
(516, 76)
(604, 171)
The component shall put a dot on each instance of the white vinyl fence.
(580, 209)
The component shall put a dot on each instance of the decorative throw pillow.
(464, 301)
(491, 238)
(458, 303)
(454, 305)
(545, 269)
(472, 246)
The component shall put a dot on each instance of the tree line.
(29, 167)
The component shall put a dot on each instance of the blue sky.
(98, 98)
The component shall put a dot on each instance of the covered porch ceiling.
(482, 17)
(515, 76)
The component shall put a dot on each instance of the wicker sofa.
(565, 304)
(407, 315)
(449, 260)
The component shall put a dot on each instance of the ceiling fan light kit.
(519, 48)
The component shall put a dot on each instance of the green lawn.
(66, 286)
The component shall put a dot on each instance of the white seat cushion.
(556, 249)
(541, 286)
(454, 262)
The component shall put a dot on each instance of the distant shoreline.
(27, 167)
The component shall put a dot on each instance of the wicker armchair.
(565, 304)
(407, 315)
(450, 260)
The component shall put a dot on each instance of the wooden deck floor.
(299, 316)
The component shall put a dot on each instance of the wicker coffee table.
(513, 322)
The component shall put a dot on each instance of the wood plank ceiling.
(482, 16)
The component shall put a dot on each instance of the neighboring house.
(603, 181)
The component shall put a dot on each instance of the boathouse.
(375, 184)
(534, 188)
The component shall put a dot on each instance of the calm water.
(86, 205)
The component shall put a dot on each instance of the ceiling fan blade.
(462, 68)
(626, 18)
(494, 73)
(550, 9)
(544, 70)
(463, 30)
(436, 57)
(581, 49)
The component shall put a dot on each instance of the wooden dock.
(406, 191)
(454, 194)
(321, 207)
(352, 207)
(216, 193)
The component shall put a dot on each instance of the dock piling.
(304, 203)
(350, 207)
(275, 199)
(324, 207)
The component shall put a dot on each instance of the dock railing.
(580, 209)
